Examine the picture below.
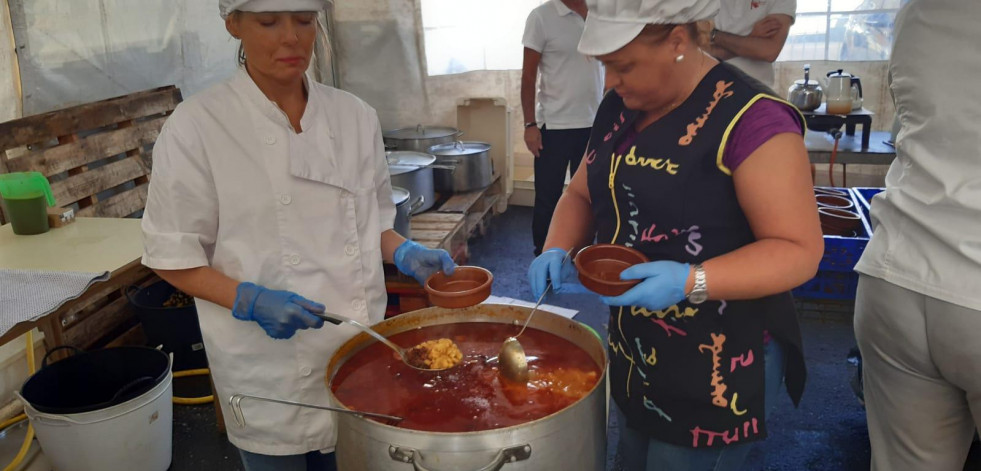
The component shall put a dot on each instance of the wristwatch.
(699, 292)
(530, 124)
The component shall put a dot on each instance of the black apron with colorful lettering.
(691, 375)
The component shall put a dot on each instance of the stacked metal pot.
(458, 166)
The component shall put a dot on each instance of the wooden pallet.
(97, 156)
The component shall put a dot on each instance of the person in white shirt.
(569, 89)
(750, 34)
(270, 203)
(918, 305)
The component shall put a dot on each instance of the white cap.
(225, 7)
(611, 24)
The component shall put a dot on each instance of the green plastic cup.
(26, 197)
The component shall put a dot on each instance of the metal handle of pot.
(235, 402)
(421, 200)
(451, 168)
(503, 456)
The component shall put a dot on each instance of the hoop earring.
(680, 58)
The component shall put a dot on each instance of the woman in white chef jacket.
(270, 192)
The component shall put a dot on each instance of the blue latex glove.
(420, 263)
(548, 265)
(279, 313)
(663, 285)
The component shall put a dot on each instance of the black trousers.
(561, 149)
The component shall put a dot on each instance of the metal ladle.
(512, 359)
(336, 319)
(235, 402)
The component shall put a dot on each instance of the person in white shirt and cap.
(918, 304)
(270, 202)
(750, 34)
(704, 171)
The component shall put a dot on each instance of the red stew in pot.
(471, 396)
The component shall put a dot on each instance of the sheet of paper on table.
(567, 313)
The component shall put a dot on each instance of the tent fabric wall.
(10, 106)
(87, 50)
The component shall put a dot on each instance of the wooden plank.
(87, 333)
(444, 226)
(119, 205)
(461, 203)
(89, 183)
(72, 313)
(87, 150)
(435, 217)
(38, 128)
(438, 236)
(133, 336)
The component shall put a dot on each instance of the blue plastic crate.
(842, 253)
(865, 195)
(829, 285)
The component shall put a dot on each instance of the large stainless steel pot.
(571, 439)
(403, 210)
(474, 168)
(414, 172)
(420, 137)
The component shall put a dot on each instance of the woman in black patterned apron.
(704, 170)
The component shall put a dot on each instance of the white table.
(112, 245)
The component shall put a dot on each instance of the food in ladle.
(437, 354)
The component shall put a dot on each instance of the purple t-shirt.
(763, 120)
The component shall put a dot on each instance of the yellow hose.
(24, 447)
(12, 421)
(192, 401)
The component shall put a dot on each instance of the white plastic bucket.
(136, 434)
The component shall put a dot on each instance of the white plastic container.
(136, 434)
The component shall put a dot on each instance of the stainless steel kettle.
(806, 94)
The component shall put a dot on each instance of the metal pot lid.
(460, 148)
(422, 132)
(405, 161)
(399, 195)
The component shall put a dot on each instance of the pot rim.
(360, 341)
(459, 149)
(419, 133)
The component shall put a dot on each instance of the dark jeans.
(312, 461)
(561, 149)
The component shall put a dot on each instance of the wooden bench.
(97, 157)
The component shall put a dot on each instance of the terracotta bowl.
(468, 286)
(600, 265)
(839, 222)
(833, 201)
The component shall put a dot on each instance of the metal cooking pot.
(474, 168)
(571, 439)
(806, 94)
(414, 172)
(403, 210)
(419, 138)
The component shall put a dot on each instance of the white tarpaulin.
(79, 51)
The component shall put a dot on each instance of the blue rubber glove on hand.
(548, 266)
(279, 313)
(420, 263)
(663, 285)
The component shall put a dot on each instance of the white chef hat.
(225, 7)
(611, 24)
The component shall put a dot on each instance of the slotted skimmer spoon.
(512, 359)
(404, 353)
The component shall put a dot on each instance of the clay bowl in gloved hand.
(467, 286)
(832, 201)
(839, 222)
(600, 265)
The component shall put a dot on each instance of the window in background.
(842, 30)
(465, 35)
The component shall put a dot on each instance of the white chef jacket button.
(350, 250)
(270, 140)
(285, 198)
(295, 259)
(305, 371)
